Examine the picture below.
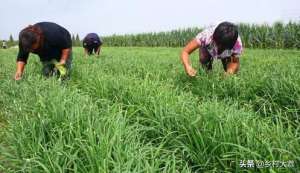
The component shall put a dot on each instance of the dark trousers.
(206, 60)
(50, 70)
(93, 49)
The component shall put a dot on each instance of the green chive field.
(134, 109)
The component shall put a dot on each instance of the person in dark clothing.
(92, 43)
(51, 42)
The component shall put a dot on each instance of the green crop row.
(135, 110)
(278, 35)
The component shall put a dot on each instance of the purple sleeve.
(205, 37)
(200, 38)
(238, 47)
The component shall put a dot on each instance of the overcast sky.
(107, 17)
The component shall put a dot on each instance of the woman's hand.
(190, 71)
(18, 76)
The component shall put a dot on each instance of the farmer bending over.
(92, 43)
(220, 42)
(52, 43)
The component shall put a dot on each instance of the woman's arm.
(19, 70)
(65, 55)
(187, 50)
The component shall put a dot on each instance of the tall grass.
(278, 35)
(134, 110)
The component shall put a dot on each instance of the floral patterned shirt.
(205, 41)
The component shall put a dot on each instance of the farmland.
(134, 110)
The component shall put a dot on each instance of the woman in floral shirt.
(220, 42)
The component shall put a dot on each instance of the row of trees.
(278, 35)
(76, 40)
(11, 42)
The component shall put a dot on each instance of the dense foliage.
(135, 110)
(278, 35)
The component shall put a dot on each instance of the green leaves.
(278, 35)
(135, 110)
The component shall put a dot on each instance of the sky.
(107, 17)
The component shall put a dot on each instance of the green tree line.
(11, 42)
(277, 35)
(76, 40)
